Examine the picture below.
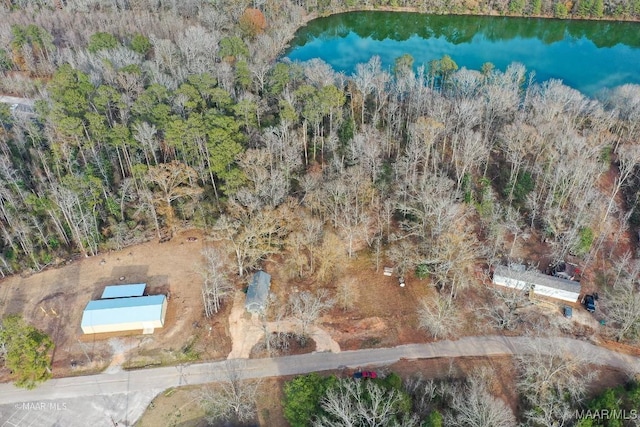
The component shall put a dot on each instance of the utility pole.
(84, 350)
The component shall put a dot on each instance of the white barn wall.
(119, 327)
(164, 313)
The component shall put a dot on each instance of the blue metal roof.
(122, 291)
(258, 291)
(123, 310)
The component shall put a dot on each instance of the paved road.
(122, 396)
(163, 378)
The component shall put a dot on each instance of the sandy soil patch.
(246, 330)
(384, 314)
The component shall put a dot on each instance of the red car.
(369, 374)
(365, 374)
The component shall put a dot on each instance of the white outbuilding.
(540, 284)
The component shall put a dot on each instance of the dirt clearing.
(174, 407)
(53, 300)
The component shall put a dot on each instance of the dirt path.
(119, 349)
(247, 330)
(244, 333)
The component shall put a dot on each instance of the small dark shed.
(258, 292)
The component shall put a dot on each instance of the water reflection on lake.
(586, 55)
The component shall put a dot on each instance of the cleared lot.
(53, 300)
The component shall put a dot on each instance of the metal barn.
(124, 291)
(258, 292)
(143, 313)
(540, 284)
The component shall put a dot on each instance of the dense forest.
(192, 121)
(147, 119)
(152, 116)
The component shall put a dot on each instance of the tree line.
(138, 132)
(558, 9)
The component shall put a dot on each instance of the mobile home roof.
(539, 279)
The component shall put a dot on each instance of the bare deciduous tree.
(331, 257)
(403, 254)
(628, 158)
(622, 300)
(451, 258)
(276, 338)
(306, 307)
(504, 311)
(364, 80)
(358, 403)
(347, 293)
(146, 135)
(430, 206)
(252, 234)
(473, 405)
(233, 399)
(172, 181)
(552, 381)
(424, 393)
(216, 286)
(439, 317)
(626, 101)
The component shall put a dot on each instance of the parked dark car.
(567, 311)
(589, 303)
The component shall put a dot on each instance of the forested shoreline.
(181, 116)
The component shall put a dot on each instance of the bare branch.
(439, 317)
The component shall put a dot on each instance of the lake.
(586, 55)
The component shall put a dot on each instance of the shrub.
(102, 41)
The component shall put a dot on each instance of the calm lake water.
(586, 55)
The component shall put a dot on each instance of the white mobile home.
(540, 284)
